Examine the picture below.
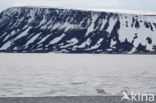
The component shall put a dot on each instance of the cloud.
(63, 3)
(99, 4)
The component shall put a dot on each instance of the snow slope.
(32, 29)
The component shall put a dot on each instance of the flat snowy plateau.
(52, 74)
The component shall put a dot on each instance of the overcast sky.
(148, 5)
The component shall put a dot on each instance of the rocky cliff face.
(28, 29)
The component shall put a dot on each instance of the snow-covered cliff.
(28, 29)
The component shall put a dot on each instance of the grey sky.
(148, 5)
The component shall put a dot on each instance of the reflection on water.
(75, 75)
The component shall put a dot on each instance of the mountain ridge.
(117, 11)
(32, 29)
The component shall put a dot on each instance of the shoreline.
(78, 53)
(70, 99)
